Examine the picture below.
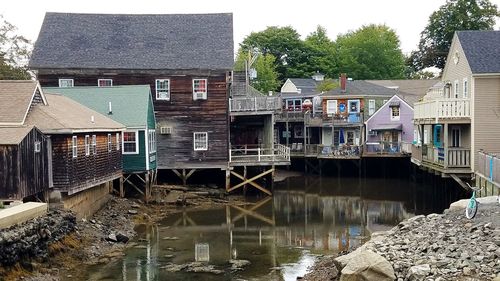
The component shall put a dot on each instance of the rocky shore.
(434, 247)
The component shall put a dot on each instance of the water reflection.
(279, 235)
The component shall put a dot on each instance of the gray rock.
(238, 264)
(367, 265)
(418, 272)
(132, 212)
(112, 237)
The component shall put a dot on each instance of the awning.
(387, 127)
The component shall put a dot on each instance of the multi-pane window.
(87, 145)
(130, 140)
(371, 107)
(37, 146)
(65, 83)
(94, 144)
(117, 141)
(465, 88)
(199, 89)
(200, 141)
(104, 82)
(74, 146)
(294, 105)
(152, 141)
(353, 106)
(331, 106)
(163, 89)
(109, 143)
(394, 112)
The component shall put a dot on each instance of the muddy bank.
(435, 247)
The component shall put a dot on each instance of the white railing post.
(258, 154)
(230, 155)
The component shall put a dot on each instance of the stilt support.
(250, 181)
(182, 174)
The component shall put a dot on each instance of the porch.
(254, 104)
(387, 149)
(434, 110)
(256, 155)
(443, 159)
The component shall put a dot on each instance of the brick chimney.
(343, 82)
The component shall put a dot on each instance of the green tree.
(322, 56)
(15, 51)
(284, 44)
(371, 52)
(454, 15)
(327, 85)
(267, 76)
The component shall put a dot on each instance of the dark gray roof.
(304, 82)
(361, 88)
(482, 49)
(117, 41)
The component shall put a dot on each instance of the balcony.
(488, 167)
(290, 116)
(254, 104)
(434, 110)
(446, 158)
(386, 149)
(255, 155)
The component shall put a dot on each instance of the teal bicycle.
(472, 205)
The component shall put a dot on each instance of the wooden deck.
(248, 155)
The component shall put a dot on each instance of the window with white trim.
(94, 144)
(74, 146)
(37, 146)
(456, 89)
(130, 142)
(353, 106)
(199, 89)
(395, 113)
(200, 141)
(87, 145)
(117, 141)
(110, 145)
(466, 89)
(162, 89)
(331, 107)
(104, 82)
(371, 107)
(66, 83)
(152, 141)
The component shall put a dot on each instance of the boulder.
(121, 238)
(112, 237)
(367, 265)
(418, 272)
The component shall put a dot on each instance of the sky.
(407, 17)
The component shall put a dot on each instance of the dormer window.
(395, 112)
(104, 82)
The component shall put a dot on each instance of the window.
(455, 137)
(152, 141)
(294, 105)
(199, 89)
(109, 143)
(456, 89)
(465, 88)
(104, 82)
(331, 107)
(163, 89)
(66, 83)
(87, 145)
(74, 146)
(94, 144)
(394, 113)
(353, 106)
(350, 138)
(130, 143)
(117, 141)
(200, 141)
(371, 107)
(37, 146)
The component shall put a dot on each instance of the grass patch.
(14, 273)
(68, 242)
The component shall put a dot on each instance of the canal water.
(281, 235)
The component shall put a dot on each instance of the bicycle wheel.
(471, 209)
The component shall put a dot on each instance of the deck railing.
(338, 151)
(488, 166)
(258, 103)
(386, 148)
(416, 153)
(451, 157)
(442, 109)
(256, 153)
(288, 115)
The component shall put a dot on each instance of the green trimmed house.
(133, 107)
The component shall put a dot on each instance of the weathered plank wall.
(24, 172)
(182, 113)
(85, 170)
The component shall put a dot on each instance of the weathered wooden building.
(186, 59)
(23, 149)
(131, 106)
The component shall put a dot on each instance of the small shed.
(23, 163)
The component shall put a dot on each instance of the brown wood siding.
(486, 115)
(24, 172)
(182, 113)
(85, 170)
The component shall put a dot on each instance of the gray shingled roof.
(15, 99)
(482, 49)
(118, 41)
(361, 87)
(13, 135)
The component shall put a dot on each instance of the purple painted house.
(389, 131)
